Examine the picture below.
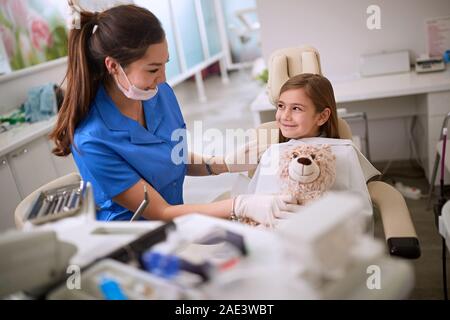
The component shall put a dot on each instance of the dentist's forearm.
(197, 170)
(218, 168)
(197, 165)
(219, 209)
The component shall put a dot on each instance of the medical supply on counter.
(58, 203)
(446, 56)
(111, 289)
(429, 64)
(41, 103)
(384, 63)
(217, 250)
(166, 266)
(113, 280)
(14, 117)
(219, 235)
(171, 266)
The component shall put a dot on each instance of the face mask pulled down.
(134, 92)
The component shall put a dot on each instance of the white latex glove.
(264, 209)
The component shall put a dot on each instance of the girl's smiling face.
(297, 117)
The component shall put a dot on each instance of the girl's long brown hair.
(124, 33)
(320, 91)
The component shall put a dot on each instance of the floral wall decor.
(32, 31)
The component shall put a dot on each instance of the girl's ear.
(324, 116)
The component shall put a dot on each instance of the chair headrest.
(288, 62)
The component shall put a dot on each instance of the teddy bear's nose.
(304, 161)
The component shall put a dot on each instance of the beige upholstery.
(288, 62)
(393, 210)
(25, 204)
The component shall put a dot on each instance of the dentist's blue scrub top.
(114, 152)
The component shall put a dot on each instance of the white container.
(384, 63)
(134, 283)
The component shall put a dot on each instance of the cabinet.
(32, 166)
(9, 195)
(63, 165)
(24, 170)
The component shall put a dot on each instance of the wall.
(338, 28)
(14, 86)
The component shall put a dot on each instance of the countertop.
(24, 133)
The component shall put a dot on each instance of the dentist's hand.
(244, 158)
(264, 209)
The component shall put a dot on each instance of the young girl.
(118, 118)
(306, 113)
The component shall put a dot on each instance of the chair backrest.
(288, 62)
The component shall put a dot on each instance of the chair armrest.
(399, 231)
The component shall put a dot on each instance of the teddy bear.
(307, 171)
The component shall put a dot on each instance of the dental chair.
(398, 228)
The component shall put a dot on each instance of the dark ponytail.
(123, 33)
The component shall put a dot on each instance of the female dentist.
(117, 119)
